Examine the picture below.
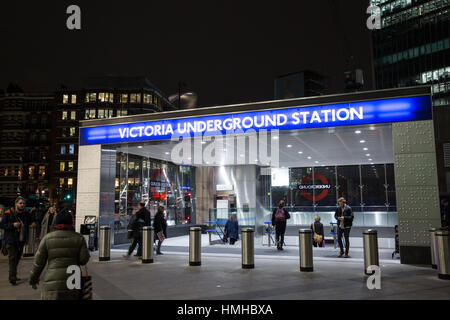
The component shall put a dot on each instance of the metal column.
(305, 250)
(147, 244)
(433, 246)
(195, 246)
(105, 245)
(443, 248)
(248, 248)
(370, 239)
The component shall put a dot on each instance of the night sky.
(226, 51)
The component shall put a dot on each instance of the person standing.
(141, 219)
(2, 212)
(59, 249)
(160, 225)
(232, 229)
(318, 232)
(279, 221)
(15, 223)
(344, 216)
(48, 221)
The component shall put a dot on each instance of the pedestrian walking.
(15, 223)
(232, 229)
(279, 221)
(344, 216)
(141, 219)
(60, 248)
(48, 221)
(160, 225)
(318, 233)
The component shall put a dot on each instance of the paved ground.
(276, 276)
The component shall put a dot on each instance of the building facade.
(413, 48)
(101, 98)
(25, 145)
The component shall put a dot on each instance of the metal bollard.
(306, 251)
(433, 246)
(28, 251)
(195, 246)
(105, 245)
(147, 244)
(370, 240)
(443, 248)
(248, 248)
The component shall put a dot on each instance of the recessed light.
(358, 131)
(275, 138)
(309, 157)
(167, 152)
(140, 147)
(367, 154)
(241, 155)
(370, 159)
(289, 146)
(300, 152)
(362, 141)
(203, 142)
(365, 149)
(316, 161)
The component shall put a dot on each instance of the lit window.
(87, 98)
(73, 115)
(92, 114)
(101, 97)
(147, 98)
(70, 166)
(101, 113)
(63, 132)
(92, 97)
(135, 98)
(62, 166)
(64, 115)
(42, 171)
(74, 98)
(70, 182)
(71, 149)
(111, 97)
(108, 113)
(124, 98)
(65, 98)
(63, 149)
(72, 131)
(31, 172)
(61, 182)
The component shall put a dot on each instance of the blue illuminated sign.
(343, 114)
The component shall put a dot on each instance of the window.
(147, 98)
(70, 182)
(70, 166)
(61, 182)
(41, 172)
(31, 172)
(64, 132)
(62, 166)
(71, 149)
(87, 98)
(72, 131)
(43, 155)
(74, 98)
(65, 98)
(101, 97)
(124, 98)
(101, 113)
(111, 97)
(92, 97)
(64, 115)
(121, 113)
(108, 113)
(90, 114)
(73, 115)
(63, 149)
(43, 138)
(135, 98)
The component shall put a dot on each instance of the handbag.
(317, 238)
(86, 286)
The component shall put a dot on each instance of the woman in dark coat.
(160, 225)
(232, 229)
(317, 228)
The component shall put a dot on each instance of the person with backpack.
(344, 216)
(318, 233)
(279, 221)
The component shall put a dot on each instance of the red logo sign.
(305, 187)
(157, 194)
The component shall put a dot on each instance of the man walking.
(15, 223)
(279, 220)
(344, 216)
(142, 218)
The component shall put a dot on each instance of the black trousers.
(346, 233)
(280, 229)
(136, 242)
(232, 240)
(14, 254)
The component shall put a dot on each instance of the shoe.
(18, 279)
(346, 255)
(340, 254)
(281, 248)
(13, 282)
(136, 255)
(159, 252)
(126, 256)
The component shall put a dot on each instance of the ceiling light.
(167, 152)
(275, 138)
(289, 146)
(309, 157)
(316, 161)
(300, 152)
(365, 149)
(358, 131)
(362, 141)
(203, 142)
(367, 154)
(140, 147)
(241, 155)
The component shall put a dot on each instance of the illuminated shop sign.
(343, 114)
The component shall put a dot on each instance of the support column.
(416, 187)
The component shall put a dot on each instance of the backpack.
(279, 215)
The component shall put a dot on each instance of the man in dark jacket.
(142, 218)
(344, 216)
(279, 221)
(15, 223)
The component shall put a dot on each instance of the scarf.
(62, 227)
